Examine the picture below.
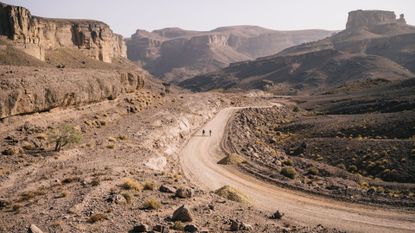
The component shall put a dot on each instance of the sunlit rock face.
(35, 35)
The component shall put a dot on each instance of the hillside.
(367, 48)
(175, 54)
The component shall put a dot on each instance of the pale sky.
(125, 16)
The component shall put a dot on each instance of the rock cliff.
(364, 18)
(175, 54)
(36, 35)
(25, 90)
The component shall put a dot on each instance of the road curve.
(199, 162)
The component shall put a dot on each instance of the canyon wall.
(175, 54)
(35, 35)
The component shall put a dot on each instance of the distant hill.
(175, 54)
(375, 44)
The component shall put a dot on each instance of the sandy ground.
(199, 160)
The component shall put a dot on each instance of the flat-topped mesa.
(368, 18)
(35, 35)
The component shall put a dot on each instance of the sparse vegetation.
(232, 194)
(132, 184)
(289, 172)
(96, 218)
(64, 135)
(178, 226)
(149, 185)
(232, 159)
(313, 171)
(152, 203)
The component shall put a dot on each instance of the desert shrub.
(152, 203)
(352, 169)
(178, 226)
(289, 172)
(97, 217)
(128, 197)
(62, 194)
(69, 180)
(149, 185)
(380, 189)
(288, 162)
(25, 196)
(296, 109)
(10, 151)
(232, 159)
(111, 146)
(64, 135)
(131, 184)
(232, 194)
(313, 171)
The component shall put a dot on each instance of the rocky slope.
(374, 45)
(175, 54)
(36, 35)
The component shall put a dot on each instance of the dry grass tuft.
(232, 159)
(152, 203)
(232, 194)
(132, 184)
(97, 217)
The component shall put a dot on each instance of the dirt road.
(199, 161)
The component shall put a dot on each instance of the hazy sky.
(125, 16)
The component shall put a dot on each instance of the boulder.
(184, 192)
(34, 229)
(190, 228)
(167, 189)
(183, 214)
(141, 228)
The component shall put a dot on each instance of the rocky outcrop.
(24, 90)
(361, 18)
(36, 35)
(175, 54)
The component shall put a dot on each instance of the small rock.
(211, 207)
(204, 230)
(34, 229)
(245, 227)
(116, 198)
(167, 189)
(161, 228)
(190, 228)
(183, 214)
(234, 225)
(184, 192)
(141, 228)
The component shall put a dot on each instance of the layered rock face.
(36, 35)
(175, 54)
(361, 18)
(24, 90)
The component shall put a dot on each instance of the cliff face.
(36, 35)
(175, 54)
(24, 90)
(361, 18)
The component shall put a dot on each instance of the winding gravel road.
(199, 161)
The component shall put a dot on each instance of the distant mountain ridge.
(175, 54)
(375, 44)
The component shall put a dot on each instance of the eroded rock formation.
(35, 35)
(25, 90)
(364, 18)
